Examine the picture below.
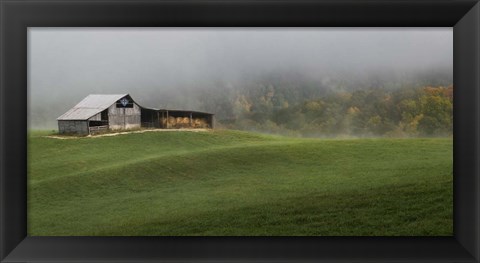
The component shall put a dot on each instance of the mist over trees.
(292, 105)
(319, 83)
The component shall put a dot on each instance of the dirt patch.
(125, 132)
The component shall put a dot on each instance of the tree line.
(401, 112)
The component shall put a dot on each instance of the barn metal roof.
(90, 106)
(96, 103)
(170, 110)
(192, 111)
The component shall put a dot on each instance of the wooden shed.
(101, 112)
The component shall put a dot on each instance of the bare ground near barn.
(113, 133)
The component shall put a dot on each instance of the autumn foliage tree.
(423, 111)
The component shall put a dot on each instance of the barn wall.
(73, 127)
(117, 120)
(96, 117)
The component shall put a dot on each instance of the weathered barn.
(119, 112)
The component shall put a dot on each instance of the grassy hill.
(238, 183)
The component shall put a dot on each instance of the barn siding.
(116, 118)
(73, 127)
(96, 117)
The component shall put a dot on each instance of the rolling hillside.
(238, 183)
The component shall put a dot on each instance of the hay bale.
(183, 120)
(200, 123)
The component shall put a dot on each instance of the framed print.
(239, 131)
(232, 143)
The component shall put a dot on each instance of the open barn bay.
(238, 183)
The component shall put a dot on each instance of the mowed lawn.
(238, 184)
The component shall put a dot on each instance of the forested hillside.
(382, 105)
(423, 111)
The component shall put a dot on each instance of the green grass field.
(238, 183)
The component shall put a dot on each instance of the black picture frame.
(17, 15)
